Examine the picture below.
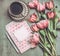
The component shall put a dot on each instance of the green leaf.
(42, 32)
(55, 33)
(49, 36)
(44, 15)
(50, 27)
(56, 21)
(57, 11)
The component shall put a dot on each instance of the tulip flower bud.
(51, 15)
(46, 22)
(49, 5)
(33, 18)
(34, 40)
(40, 7)
(31, 5)
(34, 28)
(42, 24)
(35, 2)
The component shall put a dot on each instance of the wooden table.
(6, 49)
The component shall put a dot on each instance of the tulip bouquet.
(44, 26)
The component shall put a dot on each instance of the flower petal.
(34, 28)
(40, 7)
(35, 2)
(31, 5)
(49, 5)
(33, 18)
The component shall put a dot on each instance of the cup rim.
(18, 16)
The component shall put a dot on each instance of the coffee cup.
(18, 10)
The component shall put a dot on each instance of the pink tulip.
(35, 2)
(31, 5)
(46, 22)
(42, 24)
(49, 5)
(34, 28)
(40, 7)
(34, 40)
(51, 15)
(33, 18)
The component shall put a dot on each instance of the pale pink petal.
(40, 25)
(34, 28)
(35, 2)
(33, 18)
(41, 7)
(31, 5)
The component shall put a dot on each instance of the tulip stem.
(50, 41)
(41, 39)
(46, 49)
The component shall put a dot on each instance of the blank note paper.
(21, 33)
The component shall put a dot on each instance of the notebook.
(20, 33)
(11, 41)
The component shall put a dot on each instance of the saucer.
(22, 15)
